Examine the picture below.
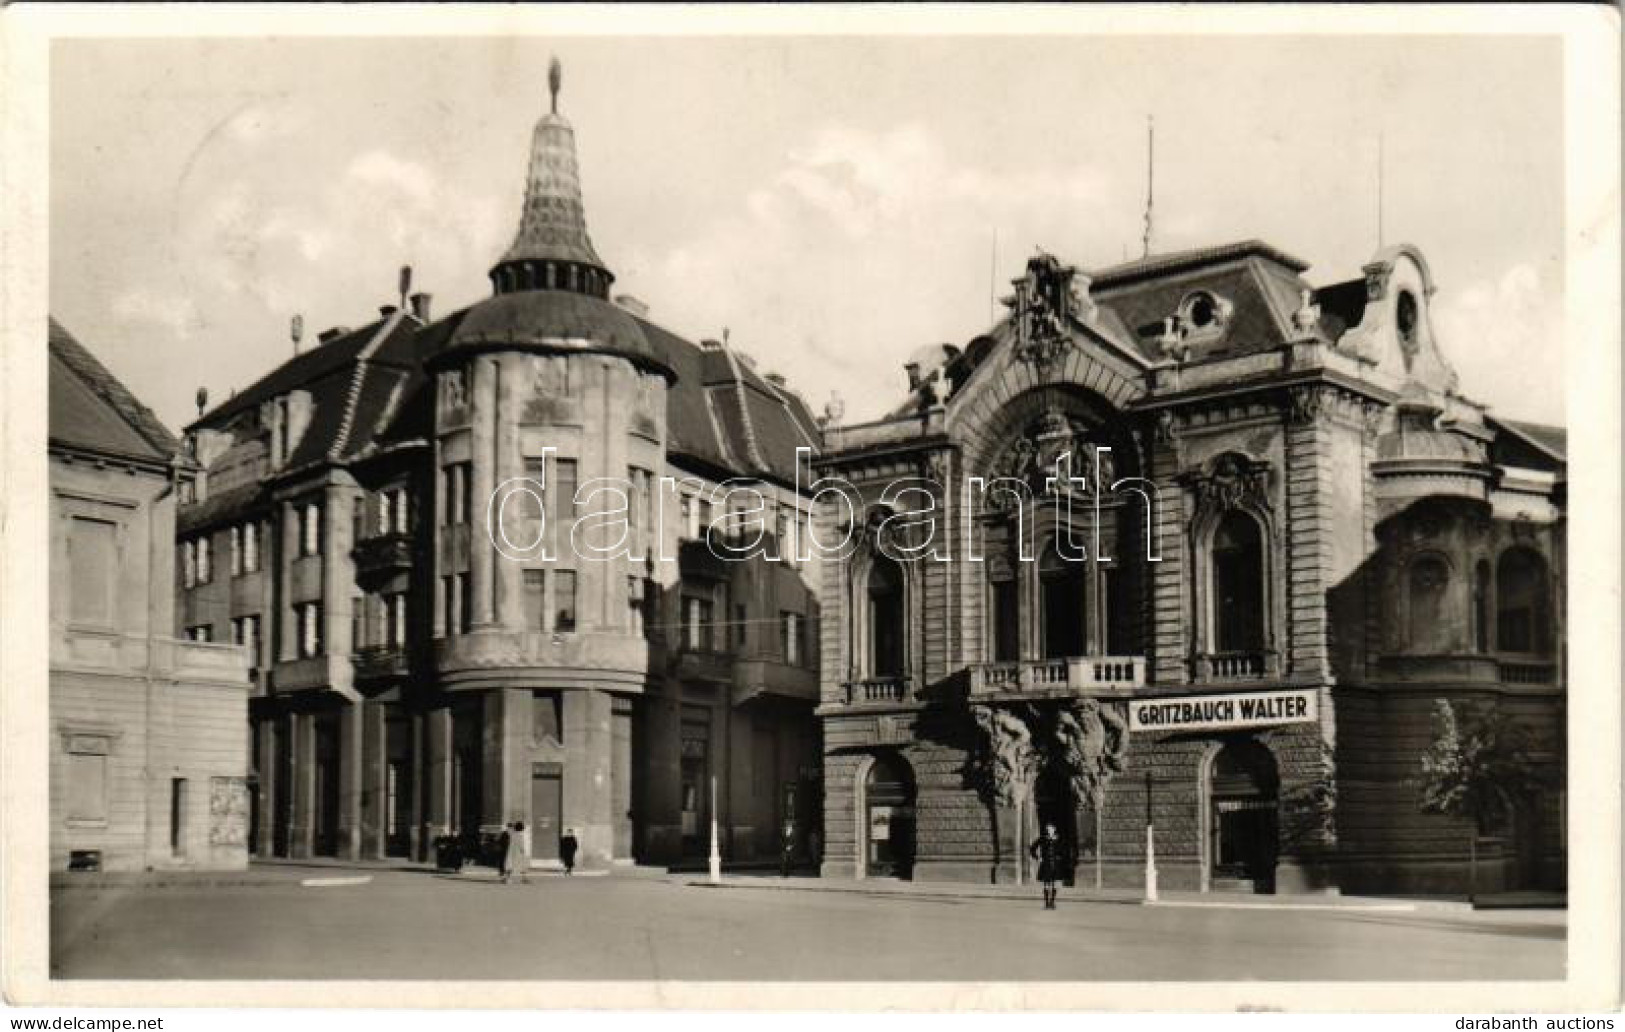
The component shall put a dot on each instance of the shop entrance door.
(1244, 818)
(546, 809)
(889, 819)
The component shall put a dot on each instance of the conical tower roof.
(553, 223)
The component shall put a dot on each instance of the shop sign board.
(1218, 712)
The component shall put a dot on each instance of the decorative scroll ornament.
(1046, 301)
(1233, 482)
(1307, 403)
(1053, 456)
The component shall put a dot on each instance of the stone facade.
(481, 591)
(1190, 478)
(149, 745)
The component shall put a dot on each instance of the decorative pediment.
(1034, 457)
(1231, 481)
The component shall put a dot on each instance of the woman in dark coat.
(567, 850)
(1047, 851)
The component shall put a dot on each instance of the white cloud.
(820, 272)
(1505, 337)
(173, 314)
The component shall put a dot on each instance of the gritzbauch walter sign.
(1199, 712)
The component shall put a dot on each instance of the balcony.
(1250, 665)
(758, 678)
(1069, 677)
(385, 553)
(375, 661)
(710, 666)
(1528, 672)
(876, 691)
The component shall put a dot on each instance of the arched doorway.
(888, 818)
(1244, 824)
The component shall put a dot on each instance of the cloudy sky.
(834, 202)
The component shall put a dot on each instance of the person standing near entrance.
(567, 850)
(504, 851)
(787, 849)
(1047, 851)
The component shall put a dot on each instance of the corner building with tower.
(1217, 631)
(413, 680)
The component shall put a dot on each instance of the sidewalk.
(886, 887)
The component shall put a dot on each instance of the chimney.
(330, 333)
(776, 379)
(711, 344)
(633, 305)
(387, 310)
(420, 306)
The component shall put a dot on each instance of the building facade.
(1191, 551)
(149, 748)
(483, 563)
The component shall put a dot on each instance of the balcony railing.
(379, 661)
(1073, 675)
(383, 552)
(1250, 665)
(1525, 672)
(876, 690)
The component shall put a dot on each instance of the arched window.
(1238, 584)
(886, 618)
(1481, 606)
(1063, 587)
(1428, 582)
(1521, 613)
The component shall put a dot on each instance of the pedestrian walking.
(504, 843)
(787, 849)
(516, 856)
(1046, 849)
(567, 850)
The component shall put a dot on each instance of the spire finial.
(555, 77)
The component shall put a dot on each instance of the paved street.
(417, 925)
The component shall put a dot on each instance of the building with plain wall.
(1209, 545)
(149, 748)
(436, 653)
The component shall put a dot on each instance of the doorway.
(546, 809)
(1054, 803)
(1244, 821)
(326, 777)
(1063, 586)
(888, 818)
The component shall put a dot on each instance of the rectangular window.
(465, 603)
(706, 515)
(397, 619)
(532, 501)
(310, 530)
(536, 599)
(465, 491)
(359, 639)
(697, 621)
(200, 632)
(245, 631)
(92, 565)
(251, 546)
(386, 518)
(564, 496)
(237, 551)
(740, 626)
(205, 560)
(564, 600)
(790, 627)
(188, 564)
(448, 495)
(87, 781)
(691, 518)
(177, 816)
(358, 518)
(310, 629)
(448, 605)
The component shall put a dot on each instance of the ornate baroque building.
(1277, 535)
(149, 743)
(434, 652)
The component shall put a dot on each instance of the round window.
(1405, 315)
(1203, 311)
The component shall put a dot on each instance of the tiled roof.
(1114, 276)
(301, 370)
(89, 408)
(1553, 440)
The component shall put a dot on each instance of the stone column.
(269, 790)
(481, 426)
(588, 785)
(1170, 592)
(437, 770)
(506, 732)
(352, 779)
(374, 779)
(302, 744)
